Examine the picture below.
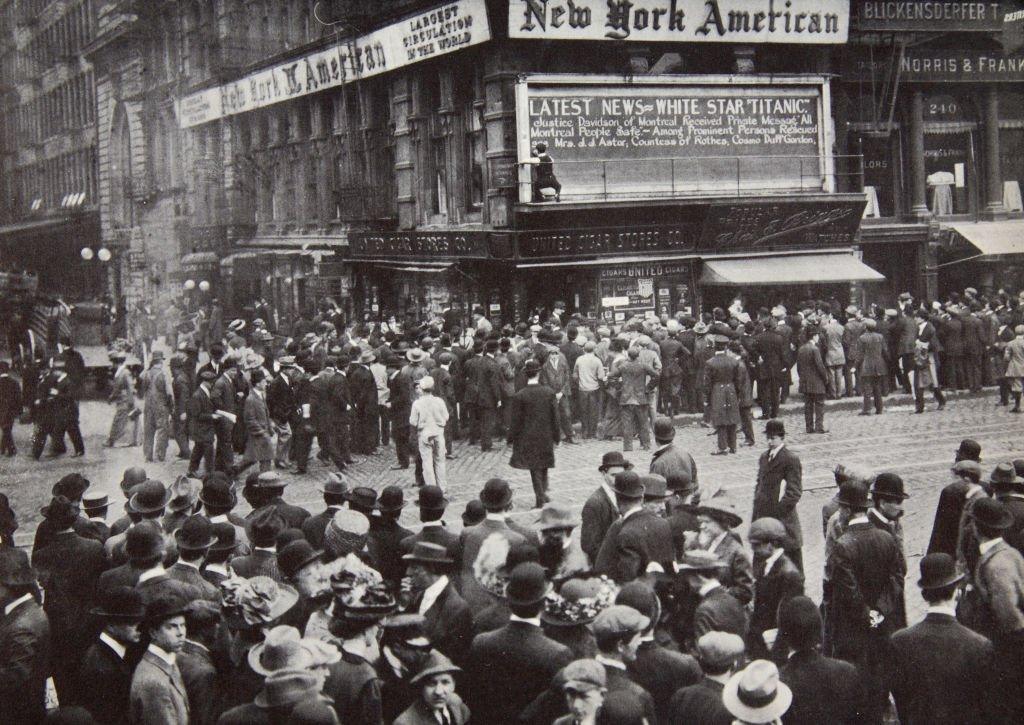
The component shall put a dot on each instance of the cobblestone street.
(918, 447)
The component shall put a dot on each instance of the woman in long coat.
(533, 430)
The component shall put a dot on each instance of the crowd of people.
(656, 604)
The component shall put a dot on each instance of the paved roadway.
(918, 447)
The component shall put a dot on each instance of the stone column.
(918, 201)
(993, 174)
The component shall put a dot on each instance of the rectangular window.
(475, 156)
(949, 170)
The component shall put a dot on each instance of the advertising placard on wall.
(688, 21)
(675, 136)
(428, 34)
(938, 65)
(927, 15)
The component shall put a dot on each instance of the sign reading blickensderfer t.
(927, 15)
(674, 136)
(693, 21)
(428, 34)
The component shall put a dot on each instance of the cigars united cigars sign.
(428, 34)
(694, 21)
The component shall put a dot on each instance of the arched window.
(120, 174)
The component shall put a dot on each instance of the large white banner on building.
(429, 34)
(692, 21)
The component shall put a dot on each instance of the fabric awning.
(601, 261)
(416, 267)
(199, 259)
(788, 269)
(994, 238)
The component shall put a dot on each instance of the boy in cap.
(777, 580)
(584, 687)
(719, 654)
(617, 630)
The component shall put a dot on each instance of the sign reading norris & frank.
(427, 34)
(693, 21)
(944, 65)
(927, 15)
(607, 241)
(422, 245)
(674, 138)
(749, 225)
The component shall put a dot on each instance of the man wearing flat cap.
(936, 666)
(716, 609)
(24, 641)
(719, 654)
(617, 630)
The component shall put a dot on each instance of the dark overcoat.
(533, 428)
(771, 474)
(722, 381)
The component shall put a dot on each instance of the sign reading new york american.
(694, 21)
(428, 34)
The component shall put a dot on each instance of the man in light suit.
(158, 695)
(158, 394)
(600, 510)
(259, 445)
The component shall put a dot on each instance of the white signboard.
(429, 34)
(695, 21)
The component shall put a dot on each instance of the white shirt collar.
(156, 571)
(431, 593)
(119, 649)
(775, 452)
(98, 519)
(217, 568)
(188, 563)
(535, 621)
(986, 545)
(16, 603)
(632, 511)
(433, 524)
(609, 662)
(167, 657)
(220, 519)
(709, 586)
(496, 517)
(271, 549)
(770, 561)
(858, 519)
(943, 608)
(611, 494)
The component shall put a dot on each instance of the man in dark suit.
(776, 466)
(448, 620)
(432, 503)
(776, 581)
(668, 458)
(225, 396)
(68, 568)
(334, 491)
(105, 677)
(202, 426)
(873, 358)
(951, 333)
(487, 382)
(724, 386)
(496, 497)
(815, 382)
(326, 401)
(556, 373)
(617, 630)
(719, 654)
(511, 666)
(938, 668)
(283, 406)
(772, 368)
(363, 387)
(196, 662)
(263, 530)
(533, 431)
(953, 497)
(716, 609)
(24, 642)
(10, 408)
(636, 540)
(633, 398)
(866, 605)
(384, 541)
(825, 690)
(658, 670)
(270, 486)
(601, 510)
(194, 539)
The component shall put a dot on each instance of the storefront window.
(475, 148)
(1011, 148)
(881, 172)
(950, 172)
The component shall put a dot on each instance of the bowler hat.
(664, 431)
(265, 526)
(619, 620)
(391, 500)
(775, 428)
(854, 494)
(60, 511)
(335, 485)
(721, 510)
(680, 483)
(425, 552)
(531, 367)
(613, 459)
(120, 603)
(496, 494)
(15, 569)
(363, 497)
(698, 560)
(71, 486)
(767, 529)
(474, 513)
(527, 585)
(195, 534)
(756, 694)
(184, 494)
(143, 541)
(628, 485)
(217, 492)
(435, 664)
(971, 468)
(148, 497)
(969, 449)
(225, 537)
(555, 516)
(888, 485)
(163, 608)
(408, 629)
(938, 570)
(1005, 476)
(132, 477)
(641, 597)
(991, 513)
(799, 621)
(655, 487)
(431, 498)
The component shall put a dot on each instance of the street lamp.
(86, 253)
(103, 254)
(190, 284)
(204, 286)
